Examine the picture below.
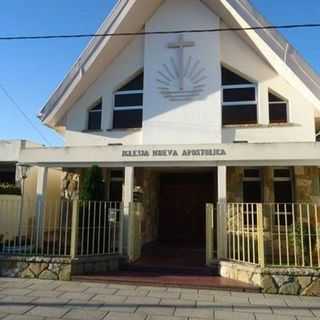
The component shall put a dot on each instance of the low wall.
(288, 281)
(55, 268)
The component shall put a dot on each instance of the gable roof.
(131, 15)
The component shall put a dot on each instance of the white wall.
(124, 66)
(240, 56)
(197, 121)
(191, 122)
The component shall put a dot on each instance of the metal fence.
(60, 228)
(275, 234)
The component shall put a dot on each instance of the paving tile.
(132, 293)
(78, 314)
(45, 293)
(206, 313)
(267, 301)
(16, 300)
(15, 292)
(3, 315)
(161, 311)
(168, 318)
(49, 302)
(72, 288)
(197, 297)
(124, 316)
(14, 308)
(164, 295)
(178, 302)
(158, 289)
(80, 304)
(294, 311)
(77, 296)
(275, 317)
(143, 300)
(22, 317)
(104, 298)
(48, 312)
(100, 290)
(232, 300)
(253, 309)
(121, 307)
(216, 306)
(122, 286)
(225, 315)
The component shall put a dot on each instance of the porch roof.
(206, 155)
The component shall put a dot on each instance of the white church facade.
(179, 118)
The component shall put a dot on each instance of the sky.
(31, 70)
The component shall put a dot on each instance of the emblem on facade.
(181, 79)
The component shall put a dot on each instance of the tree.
(92, 186)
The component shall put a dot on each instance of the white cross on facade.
(180, 45)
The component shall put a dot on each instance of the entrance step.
(143, 266)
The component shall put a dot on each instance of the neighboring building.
(181, 120)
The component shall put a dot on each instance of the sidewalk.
(41, 299)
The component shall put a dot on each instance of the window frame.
(90, 111)
(284, 101)
(253, 85)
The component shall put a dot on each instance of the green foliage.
(92, 186)
(9, 189)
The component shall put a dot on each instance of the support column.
(221, 212)
(42, 179)
(127, 199)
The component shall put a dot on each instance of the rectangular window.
(283, 195)
(127, 119)
(95, 117)
(278, 109)
(8, 175)
(239, 104)
(252, 194)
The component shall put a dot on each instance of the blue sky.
(31, 70)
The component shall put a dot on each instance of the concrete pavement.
(25, 299)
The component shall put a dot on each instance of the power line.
(6, 93)
(146, 33)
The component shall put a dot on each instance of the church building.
(208, 124)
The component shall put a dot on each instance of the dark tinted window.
(135, 84)
(128, 100)
(239, 94)
(230, 78)
(123, 119)
(278, 112)
(94, 117)
(8, 175)
(246, 114)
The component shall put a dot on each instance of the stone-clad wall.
(288, 281)
(304, 189)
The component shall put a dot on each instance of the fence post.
(121, 214)
(209, 233)
(221, 230)
(260, 235)
(74, 229)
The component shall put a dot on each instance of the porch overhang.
(205, 155)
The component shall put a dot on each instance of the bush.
(9, 189)
(92, 185)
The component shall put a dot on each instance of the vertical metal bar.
(233, 232)
(26, 225)
(60, 226)
(83, 203)
(115, 230)
(317, 234)
(66, 229)
(242, 231)
(279, 234)
(89, 223)
(238, 232)
(105, 215)
(99, 228)
(94, 226)
(287, 236)
(120, 245)
(253, 233)
(228, 232)
(294, 234)
(109, 230)
(301, 235)
(20, 230)
(55, 210)
(49, 227)
(32, 229)
(272, 221)
(248, 233)
(309, 235)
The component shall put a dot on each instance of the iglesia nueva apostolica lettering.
(173, 153)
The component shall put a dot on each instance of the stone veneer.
(55, 268)
(288, 281)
